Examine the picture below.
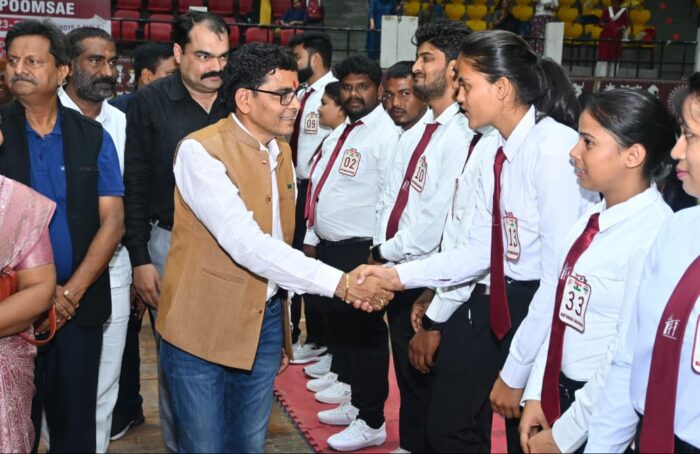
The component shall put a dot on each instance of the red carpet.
(290, 389)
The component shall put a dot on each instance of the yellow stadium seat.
(640, 16)
(522, 13)
(479, 2)
(567, 14)
(566, 3)
(572, 31)
(593, 12)
(523, 2)
(593, 30)
(458, 2)
(606, 3)
(476, 12)
(591, 3)
(411, 8)
(476, 25)
(455, 11)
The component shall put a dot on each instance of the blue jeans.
(218, 408)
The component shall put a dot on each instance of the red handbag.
(9, 286)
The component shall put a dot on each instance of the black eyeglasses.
(286, 96)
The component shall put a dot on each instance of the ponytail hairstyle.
(538, 81)
(636, 116)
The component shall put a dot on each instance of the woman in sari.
(25, 252)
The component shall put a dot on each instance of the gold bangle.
(347, 286)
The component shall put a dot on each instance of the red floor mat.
(290, 389)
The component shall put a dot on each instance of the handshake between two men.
(369, 287)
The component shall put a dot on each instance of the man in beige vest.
(220, 312)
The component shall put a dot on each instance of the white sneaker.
(400, 450)
(356, 436)
(320, 368)
(306, 353)
(319, 384)
(337, 393)
(343, 415)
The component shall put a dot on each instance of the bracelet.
(347, 286)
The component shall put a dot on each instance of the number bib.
(510, 223)
(311, 123)
(420, 174)
(574, 304)
(696, 348)
(350, 162)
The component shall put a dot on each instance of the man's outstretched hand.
(374, 286)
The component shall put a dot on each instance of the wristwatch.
(376, 254)
(430, 325)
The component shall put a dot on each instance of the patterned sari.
(24, 244)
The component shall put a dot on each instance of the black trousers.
(567, 396)
(361, 343)
(313, 306)
(66, 388)
(414, 387)
(467, 365)
(129, 400)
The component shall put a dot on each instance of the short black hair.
(315, 42)
(249, 67)
(399, 70)
(58, 43)
(185, 23)
(358, 64)
(77, 35)
(446, 35)
(332, 90)
(149, 55)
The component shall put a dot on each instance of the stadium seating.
(476, 25)
(160, 6)
(257, 34)
(159, 31)
(522, 12)
(412, 8)
(455, 11)
(221, 7)
(125, 30)
(184, 5)
(476, 12)
(134, 5)
(279, 7)
(244, 7)
(287, 33)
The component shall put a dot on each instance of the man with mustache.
(73, 161)
(91, 81)
(313, 52)
(158, 117)
(345, 187)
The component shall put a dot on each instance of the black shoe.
(121, 423)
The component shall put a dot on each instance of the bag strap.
(52, 330)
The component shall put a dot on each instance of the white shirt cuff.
(567, 435)
(440, 310)
(409, 271)
(515, 374)
(326, 280)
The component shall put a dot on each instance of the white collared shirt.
(214, 199)
(347, 203)
(113, 121)
(460, 220)
(311, 132)
(422, 221)
(614, 420)
(539, 188)
(612, 268)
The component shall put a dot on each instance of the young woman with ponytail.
(525, 206)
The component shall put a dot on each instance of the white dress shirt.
(539, 188)
(347, 203)
(460, 220)
(614, 420)
(612, 267)
(113, 121)
(311, 133)
(422, 221)
(214, 199)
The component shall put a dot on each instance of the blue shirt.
(48, 177)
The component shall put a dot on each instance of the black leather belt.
(346, 242)
(529, 284)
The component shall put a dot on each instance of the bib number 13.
(510, 223)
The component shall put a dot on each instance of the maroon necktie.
(294, 140)
(402, 198)
(327, 170)
(317, 155)
(550, 384)
(472, 146)
(499, 313)
(660, 404)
